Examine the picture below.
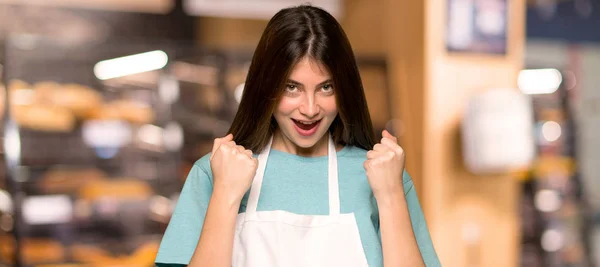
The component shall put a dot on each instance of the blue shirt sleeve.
(183, 232)
(419, 224)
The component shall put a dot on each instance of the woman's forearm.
(216, 240)
(399, 244)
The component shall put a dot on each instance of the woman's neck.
(282, 143)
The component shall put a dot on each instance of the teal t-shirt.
(299, 185)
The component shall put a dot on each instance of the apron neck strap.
(332, 174)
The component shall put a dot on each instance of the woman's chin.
(307, 142)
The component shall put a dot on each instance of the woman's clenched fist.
(385, 166)
(233, 168)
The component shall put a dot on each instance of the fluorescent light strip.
(129, 65)
(539, 81)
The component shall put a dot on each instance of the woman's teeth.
(306, 125)
(306, 128)
(306, 122)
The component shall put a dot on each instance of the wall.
(364, 32)
(226, 33)
(433, 88)
(461, 201)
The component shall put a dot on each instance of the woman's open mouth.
(306, 128)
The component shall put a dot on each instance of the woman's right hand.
(233, 168)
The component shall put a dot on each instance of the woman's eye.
(291, 88)
(327, 88)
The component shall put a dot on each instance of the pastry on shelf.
(46, 91)
(79, 99)
(17, 84)
(30, 109)
(44, 118)
(143, 256)
(121, 189)
(134, 112)
(130, 111)
(60, 180)
(7, 250)
(37, 250)
(63, 265)
(104, 112)
(127, 110)
(89, 254)
(20, 93)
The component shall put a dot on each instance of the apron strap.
(332, 174)
(257, 182)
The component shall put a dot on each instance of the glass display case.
(98, 142)
(555, 218)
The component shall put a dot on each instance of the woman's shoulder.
(203, 164)
(353, 152)
(351, 158)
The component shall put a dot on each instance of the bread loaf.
(44, 118)
(80, 100)
(134, 112)
(104, 112)
(142, 257)
(59, 181)
(122, 188)
(41, 251)
(46, 91)
(7, 250)
(31, 108)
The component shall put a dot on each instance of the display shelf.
(106, 177)
(555, 214)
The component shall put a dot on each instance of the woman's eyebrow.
(324, 82)
(290, 81)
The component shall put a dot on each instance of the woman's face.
(307, 107)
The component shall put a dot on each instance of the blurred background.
(106, 105)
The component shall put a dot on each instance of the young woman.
(300, 179)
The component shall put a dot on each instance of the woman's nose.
(309, 108)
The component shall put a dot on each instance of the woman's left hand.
(385, 166)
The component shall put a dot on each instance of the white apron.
(284, 239)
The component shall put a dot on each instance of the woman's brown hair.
(292, 34)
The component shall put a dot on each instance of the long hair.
(292, 34)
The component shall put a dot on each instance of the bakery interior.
(106, 105)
